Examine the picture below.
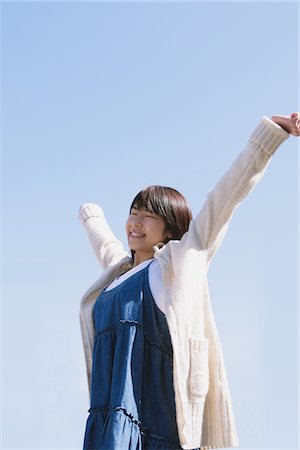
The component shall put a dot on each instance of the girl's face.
(144, 230)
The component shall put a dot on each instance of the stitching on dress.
(144, 430)
(132, 323)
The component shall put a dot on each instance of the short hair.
(167, 203)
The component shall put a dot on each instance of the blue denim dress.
(132, 393)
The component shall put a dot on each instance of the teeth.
(134, 234)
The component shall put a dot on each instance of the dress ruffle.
(117, 429)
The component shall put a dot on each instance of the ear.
(169, 234)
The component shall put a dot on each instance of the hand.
(290, 123)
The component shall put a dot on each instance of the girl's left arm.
(208, 229)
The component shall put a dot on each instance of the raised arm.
(208, 229)
(107, 248)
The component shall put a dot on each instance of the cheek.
(159, 233)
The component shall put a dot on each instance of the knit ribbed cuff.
(191, 434)
(88, 210)
(268, 135)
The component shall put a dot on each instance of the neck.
(141, 257)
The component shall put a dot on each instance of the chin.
(133, 247)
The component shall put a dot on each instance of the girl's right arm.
(107, 247)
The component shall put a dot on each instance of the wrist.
(88, 210)
(279, 120)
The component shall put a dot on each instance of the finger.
(294, 121)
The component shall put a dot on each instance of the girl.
(155, 367)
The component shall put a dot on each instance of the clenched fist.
(290, 123)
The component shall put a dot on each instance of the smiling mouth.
(133, 234)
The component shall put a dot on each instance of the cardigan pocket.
(199, 371)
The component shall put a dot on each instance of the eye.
(150, 216)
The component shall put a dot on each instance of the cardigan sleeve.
(107, 248)
(208, 228)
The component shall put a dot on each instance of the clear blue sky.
(99, 100)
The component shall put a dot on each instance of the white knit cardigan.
(204, 411)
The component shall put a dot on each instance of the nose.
(136, 220)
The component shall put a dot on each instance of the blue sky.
(98, 101)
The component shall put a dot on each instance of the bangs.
(150, 200)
